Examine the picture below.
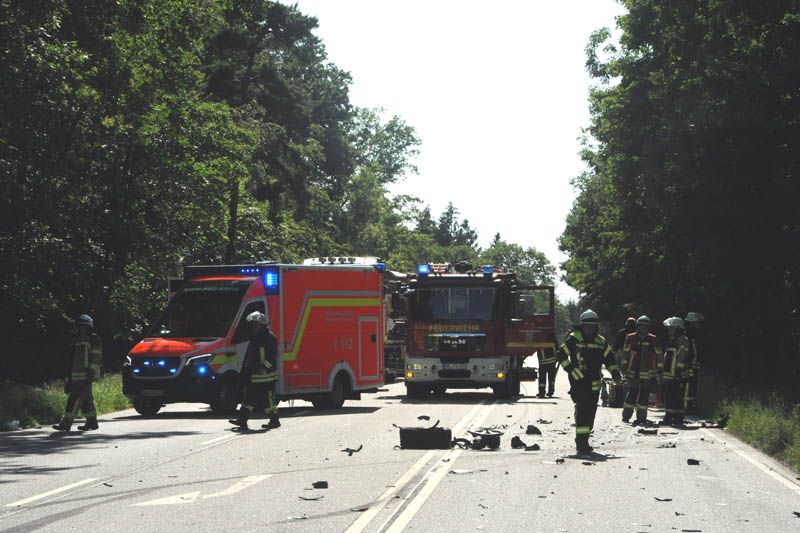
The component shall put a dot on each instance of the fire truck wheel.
(146, 408)
(416, 390)
(335, 398)
(226, 400)
(439, 390)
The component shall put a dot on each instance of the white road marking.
(218, 439)
(368, 515)
(50, 493)
(432, 479)
(755, 462)
(239, 485)
(189, 497)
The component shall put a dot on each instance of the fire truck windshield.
(202, 309)
(454, 303)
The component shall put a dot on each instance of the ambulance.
(327, 315)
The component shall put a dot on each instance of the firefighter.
(86, 355)
(694, 322)
(547, 371)
(582, 355)
(259, 372)
(675, 354)
(619, 343)
(642, 364)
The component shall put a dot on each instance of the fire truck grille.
(155, 367)
(459, 374)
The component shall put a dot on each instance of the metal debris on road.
(483, 506)
(312, 498)
(303, 517)
(533, 430)
(320, 485)
(693, 462)
(351, 451)
(662, 499)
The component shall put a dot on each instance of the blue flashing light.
(162, 363)
(173, 370)
(423, 270)
(136, 370)
(271, 279)
(251, 270)
(147, 363)
(202, 369)
(487, 270)
(380, 267)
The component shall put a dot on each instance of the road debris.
(679, 514)
(458, 472)
(796, 513)
(423, 417)
(559, 460)
(320, 485)
(359, 509)
(662, 499)
(351, 451)
(693, 462)
(304, 516)
(312, 498)
(670, 444)
(643, 431)
(425, 438)
(533, 430)
(532, 448)
(108, 484)
(483, 506)
(544, 421)
(517, 443)
(587, 463)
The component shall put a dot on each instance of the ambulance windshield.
(455, 303)
(202, 309)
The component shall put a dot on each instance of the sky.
(497, 92)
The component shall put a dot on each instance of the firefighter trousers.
(689, 392)
(252, 392)
(585, 400)
(673, 401)
(80, 399)
(547, 372)
(638, 398)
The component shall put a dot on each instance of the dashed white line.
(212, 441)
(51, 492)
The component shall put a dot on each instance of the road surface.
(186, 470)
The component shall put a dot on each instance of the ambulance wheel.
(146, 408)
(226, 400)
(335, 398)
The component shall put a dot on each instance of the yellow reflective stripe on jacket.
(263, 378)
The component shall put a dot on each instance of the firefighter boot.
(582, 444)
(64, 425)
(90, 425)
(242, 420)
(273, 423)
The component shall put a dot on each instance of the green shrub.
(31, 406)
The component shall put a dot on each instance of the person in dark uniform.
(583, 355)
(86, 358)
(547, 371)
(259, 372)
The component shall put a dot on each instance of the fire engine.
(327, 315)
(474, 329)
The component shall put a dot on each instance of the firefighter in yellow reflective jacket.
(675, 354)
(86, 358)
(547, 371)
(642, 363)
(694, 321)
(259, 372)
(583, 355)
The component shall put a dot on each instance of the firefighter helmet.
(86, 320)
(258, 317)
(644, 319)
(674, 322)
(589, 317)
(694, 318)
(631, 321)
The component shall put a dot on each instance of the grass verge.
(32, 406)
(763, 417)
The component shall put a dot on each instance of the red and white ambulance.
(327, 315)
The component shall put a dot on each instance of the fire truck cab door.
(531, 320)
(368, 355)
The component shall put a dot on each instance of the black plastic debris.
(693, 462)
(351, 451)
(679, 514)
(544, 421)
(666, 445)
(533, 430)
(796, 513)
(587, 463)
(431, 438)
(662, 499)
(486, 438)
(359, 509)
(320, 485)
(560, 460)
(532, 448)
(643, 431)
(517, 443)
(423, 417)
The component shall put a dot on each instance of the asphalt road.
(186, 470)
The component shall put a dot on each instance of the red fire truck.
(474, 329)
(327, 315)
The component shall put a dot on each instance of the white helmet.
(258, 317)
(589, 317)
(694, 318)
(674, 322)
(644, 319)
(85, 319)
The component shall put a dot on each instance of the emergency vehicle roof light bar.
(488, 270)
(423, 270)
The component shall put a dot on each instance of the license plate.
(151, 393)
(454, 366)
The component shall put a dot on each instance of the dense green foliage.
(139, 136)
(689, 200)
